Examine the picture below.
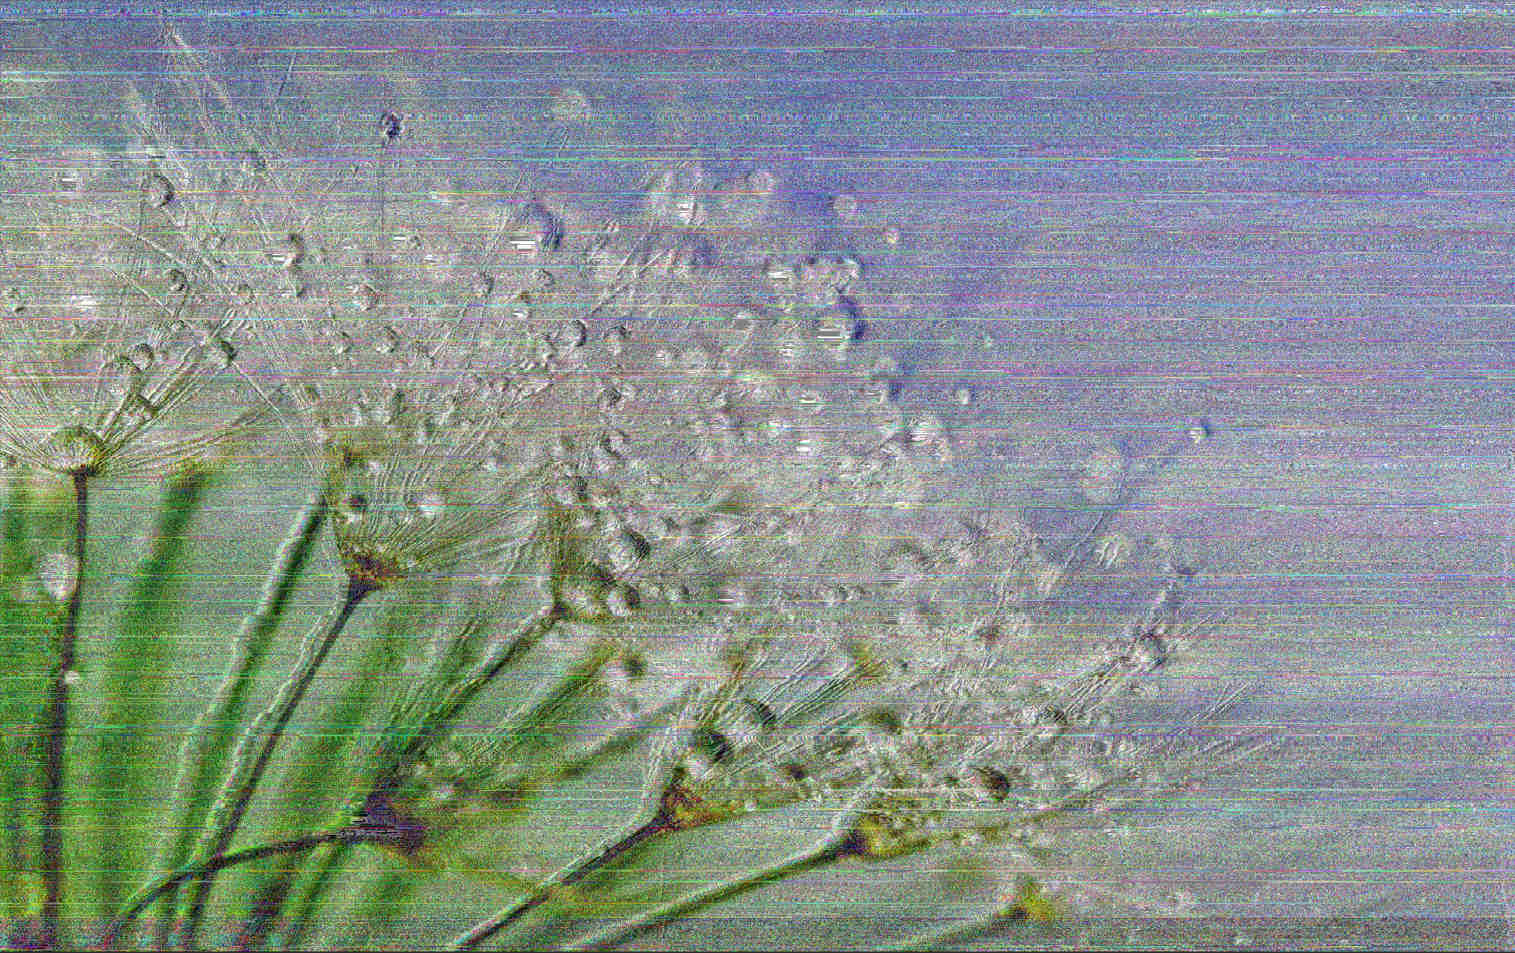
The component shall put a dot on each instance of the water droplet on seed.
(159, 190)
(141, 356)
(389, 341)
(364, 297)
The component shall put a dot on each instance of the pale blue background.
(1297, 224)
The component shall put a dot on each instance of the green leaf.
(138, 672)
(23, 679)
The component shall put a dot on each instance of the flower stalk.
(207, 746)
(256, 750)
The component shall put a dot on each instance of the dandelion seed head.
(112, 325)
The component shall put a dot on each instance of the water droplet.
(141, 356)
(1103, 475)
(483, 285)
(608, 399)
(570, 104)
(389, 341)
(11, 300)
(628, 548)
(291, 252)
(364, 297)
(391, 127)
(59, 575)
(222, 353)
(141, 409)
(623, 600)
(1200, 430)
(353, 508)
(159, 190)
(962, 396)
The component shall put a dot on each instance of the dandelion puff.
(111, 333)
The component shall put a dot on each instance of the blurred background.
(1082, 229)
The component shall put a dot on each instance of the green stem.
(620, 740)
(169, 882)
(304, 908)
(937, 939)
(441, 715)
(203, 755)
(263, 737)
(567, 877)
(841, 844)
(432, 723)
(57, 728)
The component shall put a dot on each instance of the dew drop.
(222, 353)
(627, 549)
(570, 104)
(354, 507)
(608, 399)
(141, 356)
(159, 190)
(623, 600)
(11, 300)
(291, 251)
(1200, 430)
(364, 297)
(141, 409)
(389, 341)
(575, 334)
(391, 127)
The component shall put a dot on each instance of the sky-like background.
(1081, 228)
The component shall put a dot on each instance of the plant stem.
(305, 906)
(567, 877)
(440, 716)
(57, 728)
(936, 939)
(203, 755)
(843, 843)
(172, 881)
(263, 735)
